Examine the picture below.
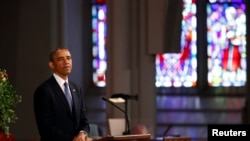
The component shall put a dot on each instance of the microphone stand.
(127, 129)
(127, 132)
(166, 131)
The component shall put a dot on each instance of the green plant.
(8, 101)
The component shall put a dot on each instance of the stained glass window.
(226, 50)
(226, 39)
(99, 32)
(180, 69)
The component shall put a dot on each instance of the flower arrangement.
(8, 101)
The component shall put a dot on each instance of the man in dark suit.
(58, 117)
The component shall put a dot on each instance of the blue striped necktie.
(67, 94)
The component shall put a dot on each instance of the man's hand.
(82, 136)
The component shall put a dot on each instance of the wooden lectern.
(136, 137)
(177, 139)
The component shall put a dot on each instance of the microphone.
(124, 96)
(127, 130)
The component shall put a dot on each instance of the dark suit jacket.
(54, 119)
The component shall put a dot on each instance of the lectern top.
(133, 137)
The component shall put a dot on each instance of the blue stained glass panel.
(99, 33)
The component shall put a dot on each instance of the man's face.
(62, 63)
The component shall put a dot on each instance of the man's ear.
(51, 65)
